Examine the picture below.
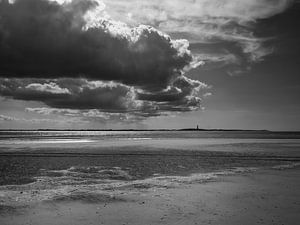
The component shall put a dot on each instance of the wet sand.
(261, 197)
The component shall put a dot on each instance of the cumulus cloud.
(73, 57)
(44, 39)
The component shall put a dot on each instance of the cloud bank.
(106, 98)
(44, 39)
(124, 60)
(71, 55)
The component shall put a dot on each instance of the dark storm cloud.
(44, 39)
(106, 98)
(72, 56)
(71, 94)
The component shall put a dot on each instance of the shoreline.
(260, 197)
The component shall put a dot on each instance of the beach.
(149, 178)
(264, 197)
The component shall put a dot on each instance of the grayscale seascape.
(149, 112)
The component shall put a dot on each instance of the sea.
(75, 165)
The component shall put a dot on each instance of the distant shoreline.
(183, 129)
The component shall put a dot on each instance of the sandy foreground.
(263, 197)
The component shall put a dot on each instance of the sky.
(140, 64)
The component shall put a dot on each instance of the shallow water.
(36, 166)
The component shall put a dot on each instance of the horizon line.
(163, 129)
